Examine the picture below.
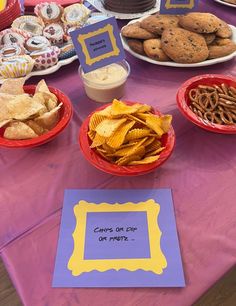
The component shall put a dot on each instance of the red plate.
(65, 116)
(183, 101)
(168, 140)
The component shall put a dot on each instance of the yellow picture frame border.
(157, 261)
(115, 50)
(170, 5)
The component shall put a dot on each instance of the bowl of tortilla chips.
(127, 138)
(31, 115)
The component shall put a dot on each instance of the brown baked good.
(156, 24)
(230, 1)
(153, 49)
(209, 37)
(224, 30)
(136, 45)
(221, 47)
(183, 46)
(129, 6)
(200, 22)
(135, 31)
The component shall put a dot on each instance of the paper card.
(178, 7)
(118, 238)
(98, 44)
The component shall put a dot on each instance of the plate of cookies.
(40, 44)
(231, 3)
(191, 40)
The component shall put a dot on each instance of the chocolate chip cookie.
(221, 47)
(153, 49)
(136, 45)
(156, 24)
(200, 22)
(183, 46)
(135, 31)
(224, 30)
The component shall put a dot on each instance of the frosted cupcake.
(16, 66)
(49, 12)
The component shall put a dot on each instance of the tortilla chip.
(13, 86)
(50, 119)
(19, 130)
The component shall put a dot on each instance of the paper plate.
(99, 6)
(226, 3)
(49, 70)
(173, 64)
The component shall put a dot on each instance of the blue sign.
(98, 44)
(178, 7)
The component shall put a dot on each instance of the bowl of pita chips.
(127, 138)
(31, 115)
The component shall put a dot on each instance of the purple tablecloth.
(201, 173)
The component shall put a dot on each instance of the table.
(201, 173)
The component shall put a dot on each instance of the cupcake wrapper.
(67, 54)
(25, 34)
(48, 59)
(16, 70)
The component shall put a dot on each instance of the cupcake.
(13, 36)
(37, 43)
(11, 50)
(16, 66)
(49, 12)
(54, 33)
(45, 58)
(30, 24)
(75, 15)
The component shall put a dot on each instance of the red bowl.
(183, 101)
(168, 140)
(65, 116)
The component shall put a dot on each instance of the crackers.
(183, 46)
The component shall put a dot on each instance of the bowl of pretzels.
(209, 101)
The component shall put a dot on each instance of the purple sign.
(178, 7)
(123, 233)
(98, 44)
(118, 238)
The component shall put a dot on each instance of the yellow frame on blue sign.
(115, 50)
(157, 261)
(170, 5)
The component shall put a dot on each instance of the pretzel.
(216, 104)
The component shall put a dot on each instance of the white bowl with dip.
(106, 83)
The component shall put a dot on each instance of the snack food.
(75, 15)
(54, 33)
(128, 134)
(129, 6)
(28, 23)
(153, 49)
(215, 103)
(24, 116)
(11, 50)
(106, 83)
(45, 58)
(181, 37)
(13, 36)
(183, 46)
(49, 12)
(37, 43)
(16, 66)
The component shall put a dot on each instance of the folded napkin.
(61, 2)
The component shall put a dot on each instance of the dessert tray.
(40, 44)
(226, 3)
(99, 6)
(174, 64)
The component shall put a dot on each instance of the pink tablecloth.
(201, 173)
